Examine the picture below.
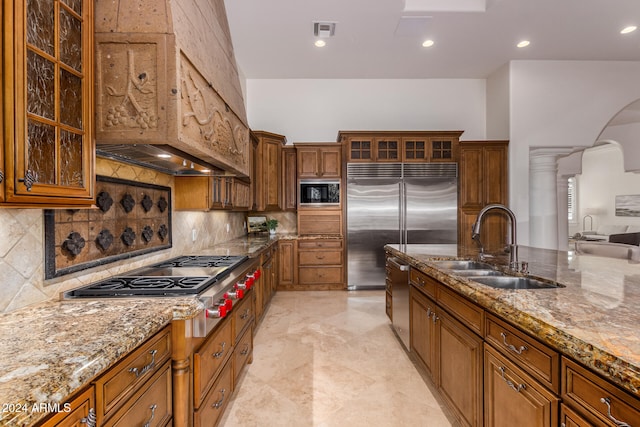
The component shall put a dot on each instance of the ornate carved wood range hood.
(166, 75)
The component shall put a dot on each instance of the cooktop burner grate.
(184, 275)
(202, 261)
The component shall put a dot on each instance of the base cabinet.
(321, 264)
(513, 398)
(82, 408)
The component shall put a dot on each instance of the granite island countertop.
(53, 350)
(593, 319)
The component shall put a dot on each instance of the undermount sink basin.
(477, 272)
(513, 282)
(463, 265)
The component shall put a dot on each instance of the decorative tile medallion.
(132, 218)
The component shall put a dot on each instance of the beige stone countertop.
(253, 244)
(593, 319)
(52, 350)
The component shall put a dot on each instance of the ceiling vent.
(324, 29)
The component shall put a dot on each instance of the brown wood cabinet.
(319, 222)
(596, 399)
(483, 180)
(319, 160)
(48, 148)
(268, 179)
(449, 351)
(321, 264)
(400, 146)
(289, 179)
(513, 398)
(211, 193)
(117, 387)
(81, 408)
(287, 267)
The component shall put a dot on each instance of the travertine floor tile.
(330, 359)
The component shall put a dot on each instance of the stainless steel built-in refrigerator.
(396, 203)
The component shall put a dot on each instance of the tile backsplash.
(22, 243)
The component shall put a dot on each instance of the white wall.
(310, 110)
(498, 104)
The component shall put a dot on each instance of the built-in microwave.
(319, 192)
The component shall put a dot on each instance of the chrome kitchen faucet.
(513, 247)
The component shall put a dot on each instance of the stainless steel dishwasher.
(398, 276)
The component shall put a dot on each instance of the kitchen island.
(591, 320)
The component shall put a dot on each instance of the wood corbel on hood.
(166, 74)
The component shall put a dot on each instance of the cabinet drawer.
(319, 275)
(79, 410)
(319, 257)
(534, 357)
(512, 397)
(423, 282)
(152, 404)
(216, 401)
(319, 223)
(121, 381)
(243, 314)
(569, 418)
(242, 353)
(208, 361)
(319, 244)
(465, 311)
(596, 398)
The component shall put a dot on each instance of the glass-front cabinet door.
(49, 149)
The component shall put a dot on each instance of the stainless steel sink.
(477, 272)
(513, 282)
(462, 265)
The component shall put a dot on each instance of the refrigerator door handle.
(401, 213)
(404, 238)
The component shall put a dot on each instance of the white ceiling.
(274, 38)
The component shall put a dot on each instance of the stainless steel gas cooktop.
(185, 275)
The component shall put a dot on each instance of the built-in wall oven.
(314, 192)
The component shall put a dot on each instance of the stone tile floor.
(330, 358)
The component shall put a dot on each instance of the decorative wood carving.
(109, 234)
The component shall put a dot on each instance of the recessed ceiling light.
(629, 29)
(320, 43)
(524, 43)
(428, 43)
(164, 156)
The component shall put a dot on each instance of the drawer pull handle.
(429, 311)
(218, 404)
(153, 414)
(511, 346)
(510, 383)
(245, 351)
(618, 423)
(145, 368)
(90, 419)
(245, 314)
(435, 317)
(218, 354)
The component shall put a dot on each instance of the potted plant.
(271, 225)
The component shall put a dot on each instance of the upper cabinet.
(268, 175)
(400, 146)
(47, 77)
(483, 180)
(319, 160)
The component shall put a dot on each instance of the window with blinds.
(571, 199)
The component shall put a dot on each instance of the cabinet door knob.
(29, 179)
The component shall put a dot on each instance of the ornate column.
(543, 197)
